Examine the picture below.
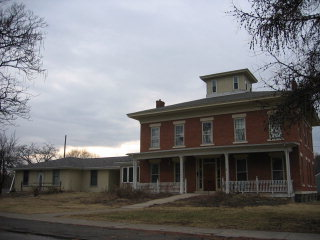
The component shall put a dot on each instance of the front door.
(209, 175)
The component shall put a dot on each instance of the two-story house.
(225, 141)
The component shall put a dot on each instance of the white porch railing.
(173, 187)
(257, 186)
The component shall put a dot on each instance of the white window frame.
(236, 81)
(179, 124)
(204, 121)
(235, 118)
(155, 139)
(214, 84)
(127, 170)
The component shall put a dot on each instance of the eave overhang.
(215, 150)
(163, 111)
(244, 71)
(64, 168)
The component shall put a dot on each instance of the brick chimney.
(159, 103)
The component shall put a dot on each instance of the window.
(25, 177)
(275, 132)
(179, 135)
(127, 174)
(56, 177)
(214, 86)
(239, 129)
(155, 172)
(242, 170)
(277, 168)
(94, 178)
(130, 174)
(207, 133)
(124, 174)
(155, 137)
(177, 172)
(235, 82)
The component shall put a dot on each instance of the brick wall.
(223, 131)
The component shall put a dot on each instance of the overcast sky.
(107, 58)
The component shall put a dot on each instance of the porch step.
(161, 201)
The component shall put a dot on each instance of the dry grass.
(26, 203)
(293, 217)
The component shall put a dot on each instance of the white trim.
(158, 137)
(155, 125)
(214, 80)
(211, 133)
(239, 142)
(234, 130)
(175, 134)
(179, 122)
(206, 119)
(207, 145)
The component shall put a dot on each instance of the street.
(11, 228)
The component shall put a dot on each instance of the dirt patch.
(220, 199)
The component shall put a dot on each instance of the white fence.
(173, 187)
(257, 186)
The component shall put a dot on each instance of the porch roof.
(215, 150)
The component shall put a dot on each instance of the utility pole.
(65, 146)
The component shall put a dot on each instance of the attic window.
(235, 82)
(214, 86)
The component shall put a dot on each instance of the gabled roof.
(244, 71)
(78, 163)
(207, 102)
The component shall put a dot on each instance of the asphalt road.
(11, 228)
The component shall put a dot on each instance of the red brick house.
(224, 142)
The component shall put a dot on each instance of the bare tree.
(21, 36)
(289, 32)
(34, 154)
(81, 153)
(7, 156)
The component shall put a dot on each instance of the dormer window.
(214, 86)
(235, 82)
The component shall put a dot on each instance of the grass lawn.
(26, 203)
(253, 214)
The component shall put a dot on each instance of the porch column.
(226, 157)
(181, 174)
(134, 174)
(289, 183)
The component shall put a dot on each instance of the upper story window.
(207, 131)
(179, 133)
(275, 132)
(155, 136)
(239, 128)
(214, 86)
(235, 82)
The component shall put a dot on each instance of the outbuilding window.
(94, 178)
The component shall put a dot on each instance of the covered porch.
(258, 168)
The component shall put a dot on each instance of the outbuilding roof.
(79, 163)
